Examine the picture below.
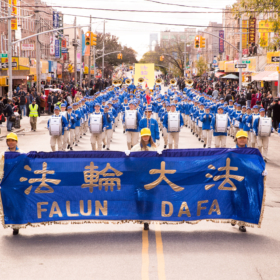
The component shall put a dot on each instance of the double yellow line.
(145, 254)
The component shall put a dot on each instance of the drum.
(173, 122)
(55, 126)
(131, 119)
(221, 123)
(95, 123)
(265, 125)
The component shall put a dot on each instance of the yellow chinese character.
(92, 179)
(43, 180)
(162, 177)
(227, 177)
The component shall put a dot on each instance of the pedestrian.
(9, 113)
(33, 112)
(22, 104)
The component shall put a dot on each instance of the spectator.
(9, 113)
(253, 101)
(249, 98)
(22, 104)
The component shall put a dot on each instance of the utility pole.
(10, 72)
(185, 59)
(103, 49)
(81, 56)
(38, 51)
(89, 61)
(75, 53)
(240, 55)
(94, 74)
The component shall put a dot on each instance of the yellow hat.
(145, 132)
(241, 133)
(12, 136)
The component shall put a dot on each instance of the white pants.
(132, 138)
(173, 136)
(77, 134)
(107, 137)
(199, 132)
(262, 142)
(65, 139)
(207, 137)
(220, 141)
(96, 138)
(71, 137)
(58, 140)
(253, 139)
(165, 136)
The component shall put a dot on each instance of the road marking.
(145, 255)
(160, 256)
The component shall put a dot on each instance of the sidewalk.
(24, 126)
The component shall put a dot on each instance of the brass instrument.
(189, 83)
(141, 81)
(128, 82)
(173, 83)
(117, 83)
(158, 81)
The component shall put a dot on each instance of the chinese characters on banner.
(147, 72)
(57, 48)
(52, 51)
(252, 30)
(265, 27)
(244, 34)
(221, 42)
(14, 22)
(50, 187)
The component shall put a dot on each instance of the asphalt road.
(124, 251)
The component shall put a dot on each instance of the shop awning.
(261, 76)
(272, 77)
(218, 74)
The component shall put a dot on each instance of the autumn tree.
(201, 66)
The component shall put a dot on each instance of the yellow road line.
(160, 256)
(145, 255)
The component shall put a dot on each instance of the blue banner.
(55, 20)
(176, 186)
(57, 48)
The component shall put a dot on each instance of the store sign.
(14, 21)
(252, 30)
(57, 49)
(244, 34)
(55, 20)
(27, 47)
(52, 51)
(221, 42)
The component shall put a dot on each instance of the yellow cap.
(145, 132)
(12, 136)
(241, 133)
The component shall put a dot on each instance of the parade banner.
(175, 186)
(147, 72)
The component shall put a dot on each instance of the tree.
(201, 66)
(253, 8)
(111, 45)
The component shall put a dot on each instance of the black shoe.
(196, 135)
(191, 130)
(15, 231)
(84, 134)
(103, 146)
(186, 126)
(242, 228)
(193, 133)
(76, 144)
(80, 136)
(68, 147)
(202, 141)
(162, 134)
(204, 146)
(198, 139)
(265, 161)
(146, 226)
(164, 147)
(71, 149)
(124, 132)
(108, 149)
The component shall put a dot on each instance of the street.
(125, 251)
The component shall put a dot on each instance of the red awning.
(218, 74)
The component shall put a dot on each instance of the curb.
(16, 131)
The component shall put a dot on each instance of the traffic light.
(93, 39)
(70, 68)
(161, 58)
(202, 42)
(196, 42)
(87, 37)
(119, 56)
(4, 81)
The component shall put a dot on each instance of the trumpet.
(158, 81)
(117, 83)
(128, 82)
(173, 83)
(189, 83)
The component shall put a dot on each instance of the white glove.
(279, 134)
(204, 117)
(127, 152)
(249, 125)
(159, 152)
(264, 173)
(158, 143)
(104, 129)
(72, 118)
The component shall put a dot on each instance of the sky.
(137, 35)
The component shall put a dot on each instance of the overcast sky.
(136, 35)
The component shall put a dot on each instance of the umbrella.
(231, 76)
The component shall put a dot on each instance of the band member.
(245, 126)
(197, 116)
(71, 126)
(77, 113)
(150, 123)
(132, 134)
(56, 125)
(173, 132)
(206, 120)
(65, 137)
(146, 142)
(220, 137)
(108, 132)
(250, 122)
(262, 141)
